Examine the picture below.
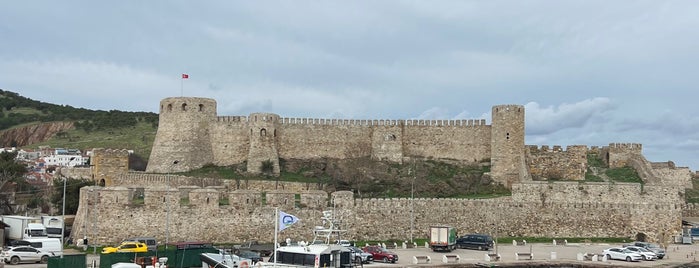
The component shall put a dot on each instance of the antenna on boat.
(329, 229)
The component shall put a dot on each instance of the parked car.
(475, 241)
(127, 246)
(252, 255)
(652, 247)
(359, 256)
(647, 254)
(15, 255)
(381, 254)
(150, 242)
(622, 254)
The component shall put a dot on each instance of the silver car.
(622, 254)
(647, 254)
(15, 255)
(358, 255)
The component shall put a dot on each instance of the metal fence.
(176, 258)
(68, 261)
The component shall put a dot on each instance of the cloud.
(547, 120)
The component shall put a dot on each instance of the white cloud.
(376, 60)
(548, 120)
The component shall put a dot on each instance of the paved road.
(676, 255)
(543, 253)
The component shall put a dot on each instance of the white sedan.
(647, 254)
(622, 254)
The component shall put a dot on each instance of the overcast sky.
(588, 72)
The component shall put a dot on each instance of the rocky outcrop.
(31, 134)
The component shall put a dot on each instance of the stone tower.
(107, 164)
(263, 142)
(507, 144)
(183, 141)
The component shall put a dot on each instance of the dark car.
(252, 255)
(475, 241)
(381, 254)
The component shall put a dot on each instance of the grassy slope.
(139, 138)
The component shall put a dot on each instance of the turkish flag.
(185, 76)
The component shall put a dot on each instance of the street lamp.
(63, 218)
(412, 197)
(167, 203)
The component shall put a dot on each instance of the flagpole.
(276, 229)
(182, 87)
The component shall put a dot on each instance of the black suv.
(475, 241)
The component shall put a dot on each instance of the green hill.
(92, 128)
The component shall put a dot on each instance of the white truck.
(54, 226)
(20, 227)
(442, 238)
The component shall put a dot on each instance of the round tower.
(183, 141)
(507, 144)
(263, 156)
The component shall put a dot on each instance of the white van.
(51, 245)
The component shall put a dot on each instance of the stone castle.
(191, 135)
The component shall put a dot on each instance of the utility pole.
(167, 204)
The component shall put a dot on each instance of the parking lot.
(542, 253)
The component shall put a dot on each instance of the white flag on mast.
(286, 220)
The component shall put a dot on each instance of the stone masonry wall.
(145, 180)
(191, 135)
(556, 163)
(620, 153)
(109, 214)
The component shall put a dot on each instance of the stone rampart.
(146, 180)
(108, 214)
(191, 135)
(544, 163)
(620, 153)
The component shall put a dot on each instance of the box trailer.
(442, 238)
(20, 227)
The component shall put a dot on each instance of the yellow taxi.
(127, 246)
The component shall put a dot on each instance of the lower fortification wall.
(146, 180)
(111, 214)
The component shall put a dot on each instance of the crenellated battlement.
(232, 119)
(556, 148)
(634, 147)
(382, 122)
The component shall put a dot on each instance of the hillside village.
(43, 164)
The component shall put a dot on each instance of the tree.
(10, 172)
(72, 193)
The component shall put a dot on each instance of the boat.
(319, 253)
(224, 260)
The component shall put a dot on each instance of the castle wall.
(620, 153)
(671, 175)
(468, 142)
(387, 142)
(556, 163)
(302, 138)
(145, 180)
(567, 209)
(230, 140)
